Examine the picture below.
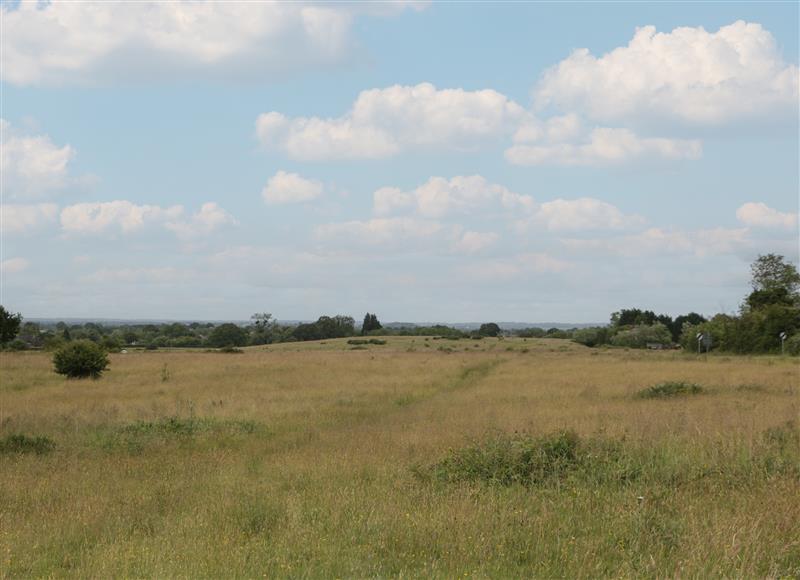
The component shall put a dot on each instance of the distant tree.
(9, 325)
(771, 272)
(592, 336)
(31, 333)
(639, 336)
(489, 329)
(227, 334)
(264, 328)
(371, 323)
(676, 328)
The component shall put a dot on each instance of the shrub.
(81, 359)
(23, 444)
(640, 336)
(670, 389)
(792, 344)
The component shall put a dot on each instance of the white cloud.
(439, 197)
(512, 268)
(385, 122)
(760, 215)
(21, 218)
(14, 265)
(31, 165)
(209, 218)
(380, 232)
(64, 42)
(658, 241)
(688, 74)
(475, 242)
(605, 146)
(138, 276)
(583, 214)
(283, 188)
(93, 218)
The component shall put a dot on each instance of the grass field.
(421, 457)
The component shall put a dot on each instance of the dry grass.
(300, 460)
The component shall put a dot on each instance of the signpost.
(783, 338)
(699, 341)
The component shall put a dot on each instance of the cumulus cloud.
(122, 216)
(32, 165)
(760, 215)
(209, 218)
(385, 122)
(604, 146)
(583, 214)
(475, 242)
(285, 188)
(439, 197)
(688, 74)
(94, 43)
(14, 265)
(119, 215)
(22, 218)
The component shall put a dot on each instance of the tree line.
(771, 311)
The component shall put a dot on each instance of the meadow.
(415, 458)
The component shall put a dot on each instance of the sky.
(424, 161)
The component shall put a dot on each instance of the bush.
(81, 359)
(670, 389)
(640, 336)
(792, 344)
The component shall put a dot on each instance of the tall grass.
(316, 461)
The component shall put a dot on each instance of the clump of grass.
(359, 347)
(507, 460)
(19, 443)
(136, 436)
(670, 389)
(377, 341)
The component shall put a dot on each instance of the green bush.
(81, 359)
(670, 389)
(792, 344)
(640, 336)
(19, 443)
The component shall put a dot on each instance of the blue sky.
(453, 162)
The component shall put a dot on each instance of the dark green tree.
(227, 334)
(489, 329)
(9, 325)
(370, 324)
(772, 272)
